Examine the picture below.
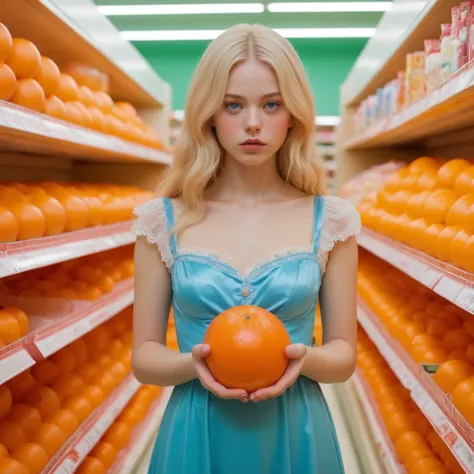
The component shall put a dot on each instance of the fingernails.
(244, 400)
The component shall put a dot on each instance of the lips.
(253, 141)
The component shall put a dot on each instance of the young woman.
(242, 220)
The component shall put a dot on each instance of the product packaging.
(471, 32)
(448, 46)
(433, 63)
(463, 34)
(416, 82)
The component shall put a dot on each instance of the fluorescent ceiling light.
(328, 7)
(188, 9)
(190, 35)
(328, 120)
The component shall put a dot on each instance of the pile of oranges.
(85, 278)
(104, 454)
(428, 205)
(14, 324)
(417, 446)
(431, 330)
(40, 209)
(42, 407)
(77, 93)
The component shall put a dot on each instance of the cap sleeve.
(151, 223)
(340, 221)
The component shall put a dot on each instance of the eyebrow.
(237, 96)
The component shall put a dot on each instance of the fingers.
(296, 351)
(200, 351)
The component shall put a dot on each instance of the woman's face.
(253, 122)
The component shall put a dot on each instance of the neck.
(247, 183)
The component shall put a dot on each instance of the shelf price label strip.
(14, 361)
(440, 422)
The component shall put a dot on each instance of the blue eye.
(233, 106)
(272, 105)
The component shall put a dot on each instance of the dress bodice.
(287, 283)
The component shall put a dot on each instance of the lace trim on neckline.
(258, 265)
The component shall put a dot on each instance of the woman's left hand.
(296, 354)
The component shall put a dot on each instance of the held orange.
(247, 348)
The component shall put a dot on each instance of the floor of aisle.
(350, 458)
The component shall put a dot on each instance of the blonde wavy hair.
(197, 155)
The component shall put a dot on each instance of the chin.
(252, 159)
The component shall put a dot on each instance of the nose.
(252, 121)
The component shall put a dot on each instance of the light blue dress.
(202, 434)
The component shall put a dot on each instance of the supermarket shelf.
(382, 440)
(401, 30)
(18, 257)
(447, 281)
(88, 37)
(434, 404)
(23, 130)
(59, 324)
(143, 436)
(81, 443)
(14, 359)
(447, 108)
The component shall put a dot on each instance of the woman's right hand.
(199, 353)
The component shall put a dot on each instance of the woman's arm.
(153, 363)
(335, 360)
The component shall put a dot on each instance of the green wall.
(327, 62)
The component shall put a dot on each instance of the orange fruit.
(464, 183)
(462, 213)
(28, 417)
(29, 94)
(118, 371)
(105, 381)
(91, 465)
(131, 417)
(24, 59)
(427, 181)
(77, 212)
(460, 395)
(21, 318)
(449, 172)
(106, 453)
(45, 400)
(407, 442)
(247, 348)
(12, 434)
(32, 456)
(87, 371)
(21, 385)
(7, 80)
(87, 75)
(6, 400)
(97, 118)
(457, 255)
(54, 107)
(53, 212)
(9, 327)
(104, 101)
(86, 97)
(30, 220)
(437, 206)
(80, 406)
(67, 385)
(468, 263)
(456, 339)
(423, 164)
(8, 225)
(80, 350)
(444, 242)
(117, 435)
(65, 420)
(94, 394)
(45, 372)
(431, 238)
(452, 373)
(3, 452)
(115, 348)
(68, 90)
(98, 339)
(48, 76)
(6, 43)
(65, 360)
(51, 438)
(12, 466)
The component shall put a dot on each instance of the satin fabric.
(202, 434)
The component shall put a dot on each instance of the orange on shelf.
(65, 360)
(9, 327)
(53, 213)
(452, 373)
(54, 107)
(7, 80)
(117, 435)
(51, 438)
(87, 75)
(97, 119)
(449, 172)
(87, 371)
(24, 59)
(3, 452)
(80, 406)
(80, 350)
(105, 381)
(28, 93)
(456, 339)
(21, 318)
(77, 212)
(424, 164)
(68, 90)
(12, 434)
(6, 43)
(44, 399)
(6, 401)
(8, 225)
(28, 417)
(91, 465)
(87, 97)
(94, 394)
(118, 371)
(464, 183)
(12, 466)
(48, 76)
(21, 385)
(444, 242)
(65, 420)
(32, 456)
(457, 255)
(106, 453)
(462, 213)
(67, 385)
(427, 181)
(437, 206)
(30, 220)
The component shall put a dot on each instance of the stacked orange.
(417, 446)
(104, 454)
(14, 324)
(431, 329)
(428, 205)
(35, 210)
(78, 94)
(171, 337)
(86, 278)
(42, 407)
(318, 327)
